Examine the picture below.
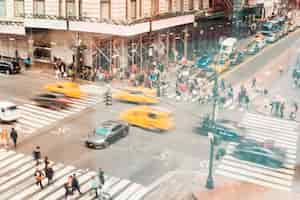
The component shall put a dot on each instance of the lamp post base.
(209, 183)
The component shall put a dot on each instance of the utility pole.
(77, 57)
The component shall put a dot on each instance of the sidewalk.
(191, 186)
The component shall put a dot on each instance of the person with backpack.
(37, 155)
(39, 176)
(49, 174)
(14, 136)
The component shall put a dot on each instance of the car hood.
(95, 139)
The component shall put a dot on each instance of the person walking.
(282, 107)
(14, 136)
(223, 84)
(37, 155)
(49, 174)
(46, 162)
(4, 137)
(101, 176)
(253, 85)
(39, 176)
(95, 186)
(75, 184)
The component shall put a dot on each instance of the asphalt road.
(143, 156)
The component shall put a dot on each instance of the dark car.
(261, 153)
(224, 132)
(9, 67)
(106, 134)
(52, 100)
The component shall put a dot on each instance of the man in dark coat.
(75, 184)
(14, 136)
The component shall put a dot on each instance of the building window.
(19, 8)
(210, 3)
(133, 9)
(179, 5)
(169, 5)
(2, 8)
(60, 8)
(104, 9)
(200, 4)
(70, 8)
(39, 7)
(154, 7)
(191, 4)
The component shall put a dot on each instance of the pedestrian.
(4, 137)
(247, 101)
(14, 136)
(280, 70)
(37, 155)
(223, 84)
(253, 83)
(282, 107)
(272, 107)
(68, 189)
(95, 186)
(49, 174)
(27, 62)
(295, 107)
(46, 162)
(39, 176)
(75, 184)
(101, 177)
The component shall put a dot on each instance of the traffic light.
(108, 98)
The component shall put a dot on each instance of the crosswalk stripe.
(34, 119)
(22, 128)
(252, 180)
(287, 171)
(6, 154)
(264, 124)
(40, 113)
(45, 110)
(23, 181)
(31, 113)
(11, 159)
(129, 191)
(280, 121)
(33, 188)
(139, 195)
(77, 107)
(80, 102)
(251, 174)
(257, 170)
(15, 165)
(29, 123)
(118, 187)
(266, 132)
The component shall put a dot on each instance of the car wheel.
(105, 145)
(125, 132)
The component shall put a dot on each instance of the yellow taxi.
(148, 117)
(69, 89)
(135, 96)
(222, 66)
(146, 91)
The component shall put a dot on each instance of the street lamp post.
(210, 181)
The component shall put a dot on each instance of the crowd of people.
(44, 170)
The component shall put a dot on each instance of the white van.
(8, 111)
(228, 47)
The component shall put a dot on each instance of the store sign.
(12, 29)
(46, 23)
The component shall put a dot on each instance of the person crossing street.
(14, 137)
(75, 184)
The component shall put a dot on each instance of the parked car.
(252, 48)
(10, 67)
(8, 111)
(261, 153)
(148, 117)
(107, 133)
(204, 61)
(69, 89)
(237, 58)
(52, 100)
(270, 36)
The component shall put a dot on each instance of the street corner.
(226, 189)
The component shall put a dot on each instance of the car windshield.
(102, 132)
